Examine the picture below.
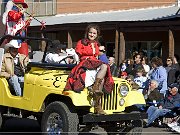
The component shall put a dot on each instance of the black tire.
(65, 122)
(136, 129)
(1, 121)
(39, 118)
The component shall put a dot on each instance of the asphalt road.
(30, 126)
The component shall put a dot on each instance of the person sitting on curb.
(13, 66)
(153, 92)
(171, 100)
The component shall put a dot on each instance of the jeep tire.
(57, 118)
(136, 129)
(1, 121)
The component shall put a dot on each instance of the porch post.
(69, 40)
(117, 47)
(122, 48)
(171, 44)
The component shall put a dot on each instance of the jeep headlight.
(121, 102)
(124, 90)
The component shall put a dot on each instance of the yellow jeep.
(67, 112)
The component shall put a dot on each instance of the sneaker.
(176, 128)
(172, 124)
(145, 121)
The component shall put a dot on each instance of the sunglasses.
(13, 49)
(101, 50)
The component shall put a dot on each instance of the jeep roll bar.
(3, 38)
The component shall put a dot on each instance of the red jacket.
(88, 60)
(14, 16)
(85, 51)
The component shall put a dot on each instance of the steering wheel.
(64, 59)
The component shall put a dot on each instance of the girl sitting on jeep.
(90, 71)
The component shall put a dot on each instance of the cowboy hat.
(21, 2)
(12, 43)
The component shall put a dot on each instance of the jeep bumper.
(114, 117)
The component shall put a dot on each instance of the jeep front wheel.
(1, 120)
(136, 127)
(57, 119)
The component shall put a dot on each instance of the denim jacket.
(170, 101)
(160, 75)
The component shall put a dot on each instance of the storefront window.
(148, 48)
(42, 7)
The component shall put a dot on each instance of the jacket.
(114, 70)
(88, 60)
(170, 101)
(84, 50)
(154, 95)
(159, 74)
(7, 69)
(103, 58)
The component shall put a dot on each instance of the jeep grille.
(110, 101)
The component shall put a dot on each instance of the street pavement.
(30, 126)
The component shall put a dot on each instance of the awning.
(145, 14)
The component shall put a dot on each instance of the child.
(140, 79)
(130, 79)
(123, 75)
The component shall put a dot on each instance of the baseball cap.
(123, 74)
(174, 85)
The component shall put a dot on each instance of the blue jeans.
(15, 82)
(154, 113)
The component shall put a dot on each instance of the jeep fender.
(134, 97)
(79, 99)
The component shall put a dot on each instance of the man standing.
(14, 20)
(137, 65)
(113, 67)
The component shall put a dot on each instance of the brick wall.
(75, 6)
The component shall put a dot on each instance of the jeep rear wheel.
(57, 119)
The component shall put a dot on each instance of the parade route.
(30, 126)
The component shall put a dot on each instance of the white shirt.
(16, 59)
(54, 58)
(141, 81)
(146, 68)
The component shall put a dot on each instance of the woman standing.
(90, 71)
(159, 74)
(145, 65)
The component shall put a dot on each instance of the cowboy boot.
(97, 107)
(96, 85)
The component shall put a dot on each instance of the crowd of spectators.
(159, 83)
